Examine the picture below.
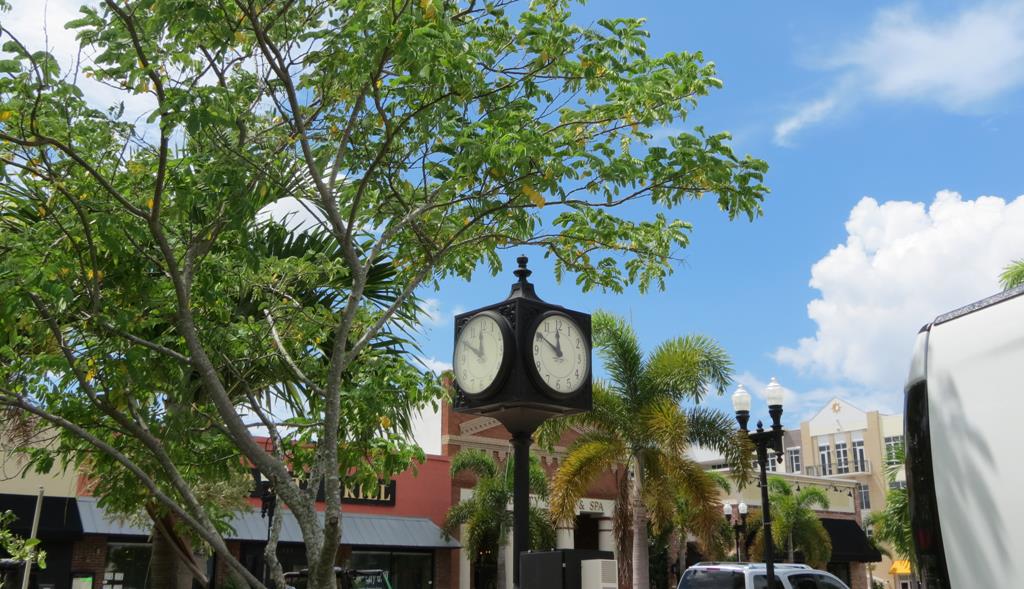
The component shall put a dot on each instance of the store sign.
(383, 493)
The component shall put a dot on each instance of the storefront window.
(127, 566)
(406, 570)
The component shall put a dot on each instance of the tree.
(891, 525)
(18, 548)
(486, 513)
(795, 525)
(637, 423)
(1013, 275)
(429, 136)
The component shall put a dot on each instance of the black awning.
(849, 542)
(57, 521)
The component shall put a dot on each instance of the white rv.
(965, 446)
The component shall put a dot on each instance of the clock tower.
(522, 361)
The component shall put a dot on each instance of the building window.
(127, 566)
(825, 456)
(893, 485)
(794, 460)
(770, 467)
(405, 570)
(892, 443)
(863, 493)
(860, 461)
(842, 458)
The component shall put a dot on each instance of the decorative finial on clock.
(523, 288)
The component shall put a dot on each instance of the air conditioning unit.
(599, 574)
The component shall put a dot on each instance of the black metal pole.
(766, 509)
(520, 500)
(736, 532)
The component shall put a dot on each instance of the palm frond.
(701, 492)
(457, 515)
(475, 461)
(716, 430)
(665, 424)
(1013, 275)
(618, 345)
(689, 367)
(542, 529)
(587, 458)
(608, 414)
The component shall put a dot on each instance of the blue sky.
(895, 102)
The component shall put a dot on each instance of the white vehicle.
(964, 405)
(746, 575)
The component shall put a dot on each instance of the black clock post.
(522, 361)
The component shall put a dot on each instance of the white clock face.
(478, 354)
(561, 354)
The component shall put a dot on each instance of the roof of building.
(357, 529)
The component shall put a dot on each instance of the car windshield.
(711, 579)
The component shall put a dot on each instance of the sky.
(892, 131)
(892, 134)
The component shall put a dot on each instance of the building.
(395, 527)
(842, 441)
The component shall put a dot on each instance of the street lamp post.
(764, 440)
(739, 526)
(268, 503)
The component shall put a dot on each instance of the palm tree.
(637, 423)
(795, 523)
(1013, 274)
(486, 513)
(892, 524)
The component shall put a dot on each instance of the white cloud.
(434, 365)
(960, 64)
(432, 314)
(293, 213)
(903, 263)
(808, 114)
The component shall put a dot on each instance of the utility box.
(559, 569)
(599, 574)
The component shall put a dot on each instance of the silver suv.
(745, 575)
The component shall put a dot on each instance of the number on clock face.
(560, 353)
(478, 354)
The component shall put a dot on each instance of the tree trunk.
(641, 556)
(624, 530)
(789, 547)
(166, 571)
(675, 542)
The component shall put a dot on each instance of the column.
(606, 535)
(464, 565)
(565, 536)
(509, 561)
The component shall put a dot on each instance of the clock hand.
(479, 353)
(558, 345)
(545, 340)
(480, 335)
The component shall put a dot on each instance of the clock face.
(561, 354)
(479, 353)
